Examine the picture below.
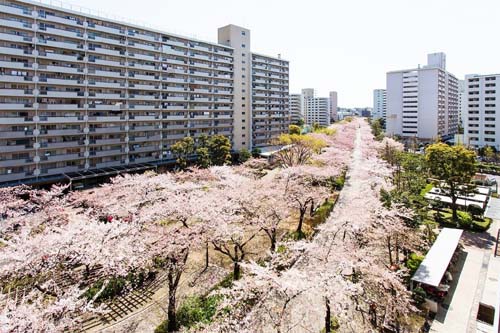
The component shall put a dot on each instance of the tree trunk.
(206, 257)
(328, 320)
(301, 220)
(236, 271)
(273, 241)
(454, 209)
(171, 314)
(389, 248)
(397, 251)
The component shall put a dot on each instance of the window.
(243, 127)
(243, 45)
(243, 105)
(243, 54)
(243, 33)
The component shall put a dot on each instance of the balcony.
(139, 97)
(106, 29)
(143, 128)
(16, 65)
(8, 177)
(106, 118)
(61, 32)
(107, 84)
(106, 141)
(60, 57)
(61, 69)
(58, 132)
(176, 117)
(107, 73)
(107, 62)
(64, 107)
(16, 92)
(102, 50)
(16, 38)
(168, 50)
(57, 171)
(142, 56)
(14, 10)
(63, 82)
(111, 129)
(13, 163)
(144, 149)
(144, 117)
(109, 152)
(144, 107)
(108, 40)
(62, 119)
(15, 51)
(14, 106)
(144, 77)
(60, 157)
(56, 145)
(62, 94)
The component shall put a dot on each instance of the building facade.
(422, 103)
(79, 93)
(379, 104)
(333, 106)
(295, 108)
(317, 111)
(481, 121)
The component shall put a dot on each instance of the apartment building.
(481, 121)
(81, 95)
(318, 110)
(423, 102)
(295, 108)
(379, 104)
(333, 106)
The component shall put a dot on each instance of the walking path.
(476, 281)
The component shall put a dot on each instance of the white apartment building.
(317, 111)
(462, 102)
(295, 108)
(333, 106)
(81, 95)
(481, 127)
(379, 104)
(423, 102)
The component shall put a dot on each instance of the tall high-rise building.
(462, 102)
(481, 126)
(295, 108)
(333, 106)
(81, 95)
(423, 102)
(379, 104)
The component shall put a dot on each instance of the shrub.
(196, 310)
(419, 295)
(475, 211)
(294, 129)
(244, 155)
(464, 219)
(414, 262)
(256, 152)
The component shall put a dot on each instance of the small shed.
(437, 260)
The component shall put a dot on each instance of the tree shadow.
(481, 240)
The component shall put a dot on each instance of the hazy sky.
(342, 45)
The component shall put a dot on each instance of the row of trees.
(349, 275)
(55, 246)
(206, 151)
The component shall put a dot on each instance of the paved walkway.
(474, 281)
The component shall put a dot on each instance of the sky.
(341, 45)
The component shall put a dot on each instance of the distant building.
(295, 108)
(333, 106)
(423, 102)
(379, 104)
(481, 126)
(462, 102)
